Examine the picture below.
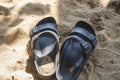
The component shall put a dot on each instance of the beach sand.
(17, 17)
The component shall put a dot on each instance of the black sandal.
(75, 51)
(45, 46)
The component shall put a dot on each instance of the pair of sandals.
(74, 53)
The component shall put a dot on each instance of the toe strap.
(43, 27)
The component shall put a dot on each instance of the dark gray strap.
(42, 27)
(86, 34)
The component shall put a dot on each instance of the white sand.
(17, 17)
(47, 66)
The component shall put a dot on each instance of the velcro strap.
(88, 35)
(42, 27)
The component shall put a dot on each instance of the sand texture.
(47, 66)
(17, 17)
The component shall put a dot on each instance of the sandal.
(45, 46)
(75, 51)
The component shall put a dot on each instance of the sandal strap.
(43, 27)
(86, 35)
